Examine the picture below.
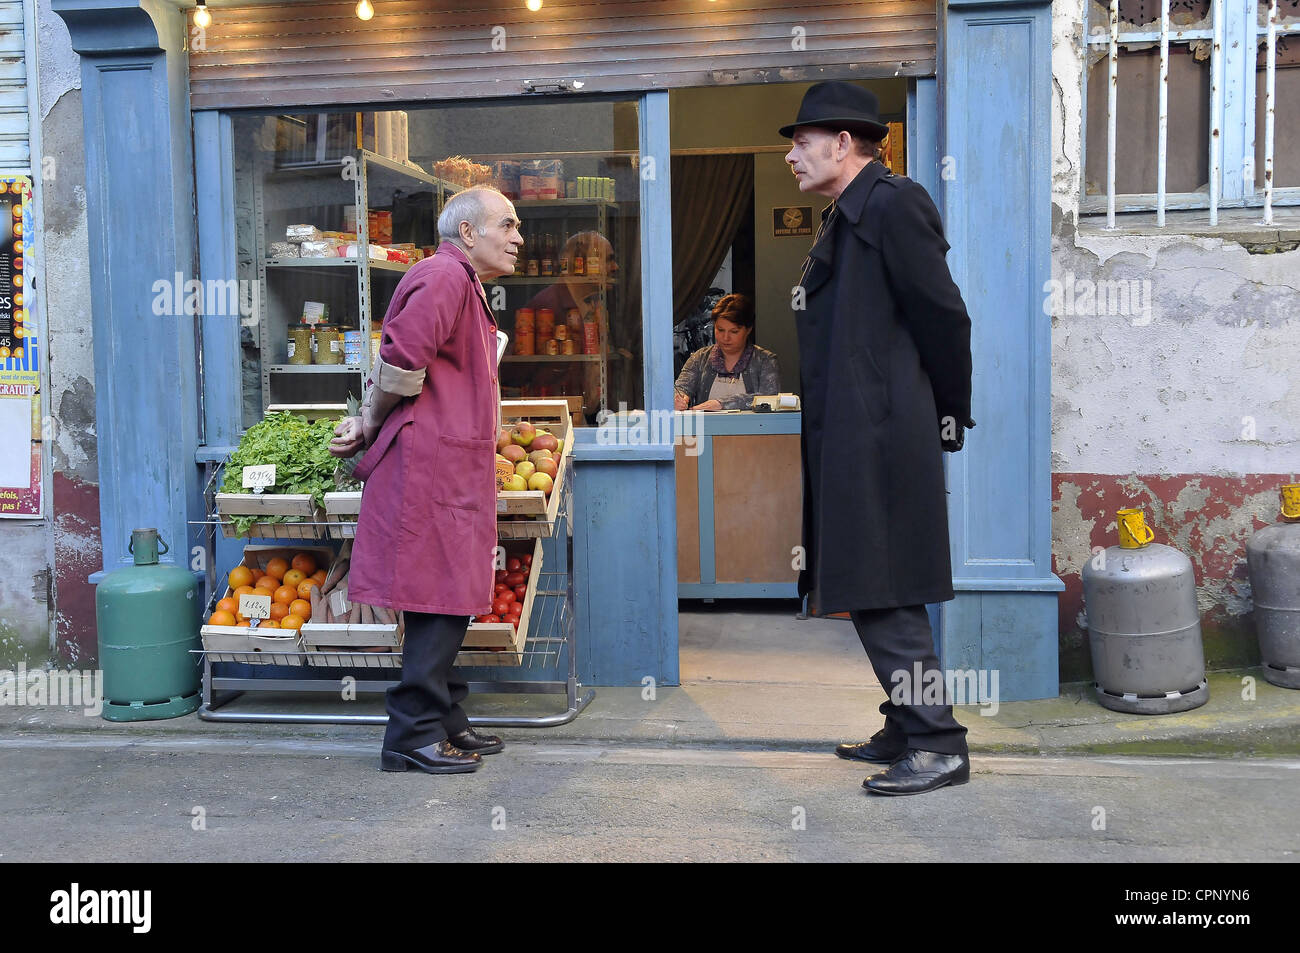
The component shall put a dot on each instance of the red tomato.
(507, 596)
(527, 559)
(515, 579)
(520, 592)
(501, 575)
(513, 564)
(500, 607)
(500, 588)
(490, 617)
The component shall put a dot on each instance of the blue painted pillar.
(995, 169)
(140, 209)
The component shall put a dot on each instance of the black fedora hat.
(836, 105)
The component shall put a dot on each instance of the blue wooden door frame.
(987, 163)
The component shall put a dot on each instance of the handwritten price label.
(260, 477)
(255, 607)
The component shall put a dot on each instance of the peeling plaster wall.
(1180, 398)
(54, 567)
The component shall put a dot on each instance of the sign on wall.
(792, 220)
(20, 397)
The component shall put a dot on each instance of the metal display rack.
(551, 634)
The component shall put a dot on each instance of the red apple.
(549, 467)
(514, 453)
(524, 433)
(545, 441)
(503, 439)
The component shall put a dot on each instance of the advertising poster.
(20, 398)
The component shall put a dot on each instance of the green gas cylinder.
(148, 617)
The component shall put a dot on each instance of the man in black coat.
(884, 355)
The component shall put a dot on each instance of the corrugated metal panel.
(320, 53)
(15, 151)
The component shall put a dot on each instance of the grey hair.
(466, 206)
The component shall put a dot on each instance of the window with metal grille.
(1191, 104)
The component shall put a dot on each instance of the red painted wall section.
(1207, 517)
(77, 554)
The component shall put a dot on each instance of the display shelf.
(550, 280)
(335, 167)
(564, 203)
(314, 368)
(550, 634)
(550, 358)
(342, 264)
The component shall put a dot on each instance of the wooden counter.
(739, 505)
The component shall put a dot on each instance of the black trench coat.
(884, 354)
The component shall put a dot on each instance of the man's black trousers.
(424, 708)
(895, 639)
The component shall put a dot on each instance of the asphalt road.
(72, 799)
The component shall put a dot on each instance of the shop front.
(290, 161)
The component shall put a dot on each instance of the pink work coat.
(426, 536)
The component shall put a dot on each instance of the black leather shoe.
(470, 740)
(920, 771)
(441, 757)
(879, 750)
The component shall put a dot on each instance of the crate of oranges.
(287, 576)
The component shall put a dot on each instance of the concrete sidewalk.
(753, 676)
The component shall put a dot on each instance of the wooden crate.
(341, 658)
(309, 521)
(527, 514)
(310, 411)
(256, 557)
(498, 643)
(228, 643)
(341, 511)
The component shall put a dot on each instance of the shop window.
(333, 208)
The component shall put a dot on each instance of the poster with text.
(20, 444)
(18, 338)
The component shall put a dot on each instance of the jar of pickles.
(326, 344)
(299, 345)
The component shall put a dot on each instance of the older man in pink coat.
(426, 536)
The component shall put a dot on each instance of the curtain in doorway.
(710, 200)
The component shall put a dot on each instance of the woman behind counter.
(729, 374)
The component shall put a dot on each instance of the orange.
(268, 624)
(291, 621)
(305, 563)
(257, 574)
(221, 617)
(286, 594)
(242, 624)
(293, 577)
(279, 610)
(320, 575)
(301, 607)
(228, 604)
(277, 567)
(306, 586)
(240, 576)
(268, 584)
(244, 591)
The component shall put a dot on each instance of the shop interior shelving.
(356, 289)
(569, 215)
(550, 641)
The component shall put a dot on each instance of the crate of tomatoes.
(284, 575)
(498, 637)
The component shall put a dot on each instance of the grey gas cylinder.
(1144, 630)
(1273, 558)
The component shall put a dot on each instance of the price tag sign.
(258, 478)
(254, 607)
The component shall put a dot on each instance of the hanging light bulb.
(534, 5)
(201, 15)
(365, 10)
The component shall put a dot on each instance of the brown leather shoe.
(441, 757)
(471, 740)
